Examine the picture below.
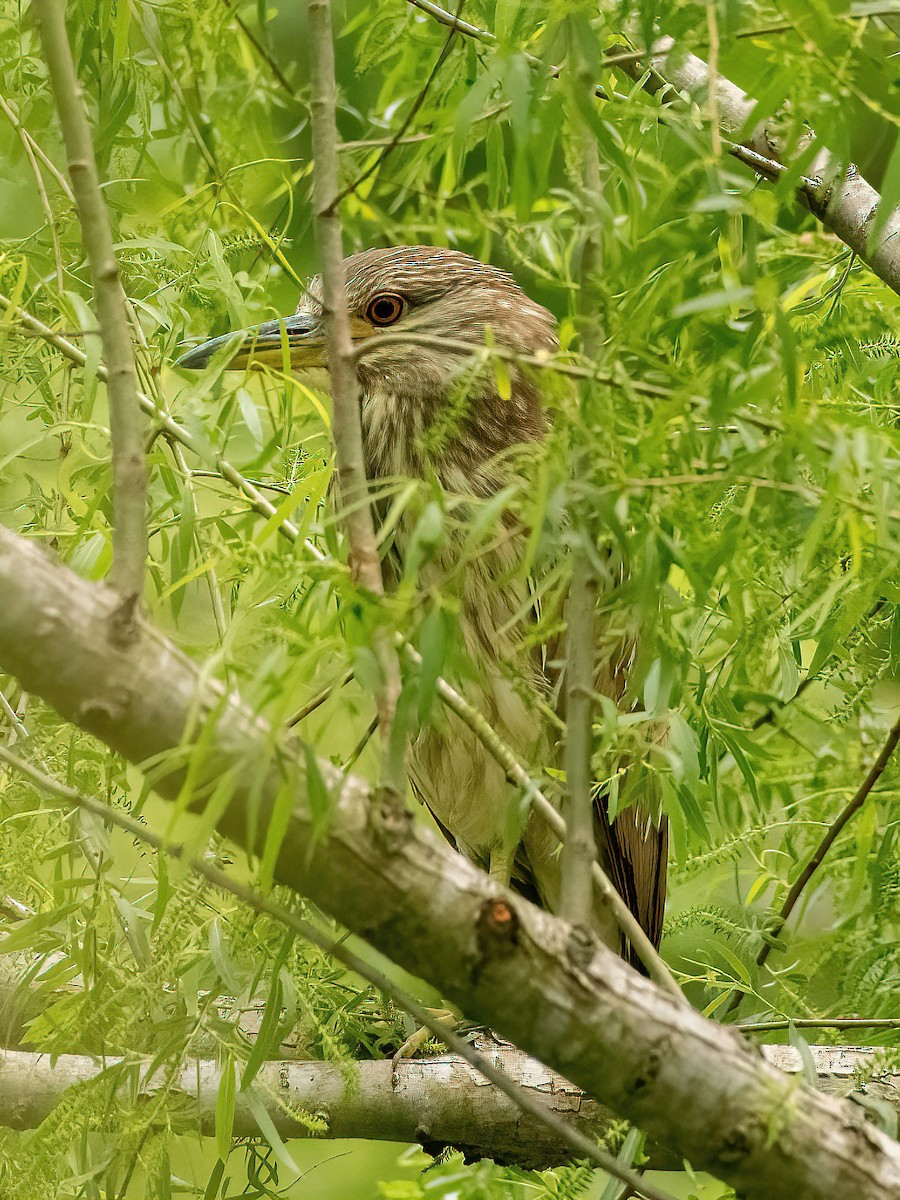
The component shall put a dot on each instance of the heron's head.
(418, 290)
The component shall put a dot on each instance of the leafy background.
(754, 496)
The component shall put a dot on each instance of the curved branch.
(692, 1084)
(835, 191)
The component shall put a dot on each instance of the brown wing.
(636, 845)
(637, 840)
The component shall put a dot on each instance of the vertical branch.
(346, 424)
(712, 98)
(129, 536)
(579, 847)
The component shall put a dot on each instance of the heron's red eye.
(385, 310)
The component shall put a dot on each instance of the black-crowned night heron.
(407, 391)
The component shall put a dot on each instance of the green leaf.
(225, 1100)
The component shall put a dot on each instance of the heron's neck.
(431, 434)
(467, 452)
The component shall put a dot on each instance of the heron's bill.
(298, 340)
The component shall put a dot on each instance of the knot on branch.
(390, 820)
(497, 929)
(99, 714)
(650, 1069)
(742, 1141)
(123, 620)
(580, 946)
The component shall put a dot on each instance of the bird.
(408, 391)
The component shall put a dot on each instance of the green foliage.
(752, 495)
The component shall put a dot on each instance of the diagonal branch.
(834, 831)
(834, 190)
(835, 193)
(129, 535)
(692, 1084)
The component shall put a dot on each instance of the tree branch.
(346, 425)
(579, 847)
(836, 192)
(834, 830)
(690, 1083)
(168, 427)
(129, 534)
(439, 1101)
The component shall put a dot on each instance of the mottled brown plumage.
(410, 392)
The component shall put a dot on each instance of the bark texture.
(836, 192)
(693, 1085)
(129, 536)
(438, 1102)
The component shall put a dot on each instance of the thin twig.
(281, 488)
(846, 207)
(539, 362)
(862, 794)
(849, 1023)
(260, 49)
(129, 534)
(712, 98)
(337, 948)
(317, 701)
(488, 39)
(579, 848)
(28, 146)
(170, 428)
(19, 728)
(45, 159)
(350, 462)
(407, 120)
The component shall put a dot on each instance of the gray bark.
(693, 1085)
(437, 1102)
(836, 192)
